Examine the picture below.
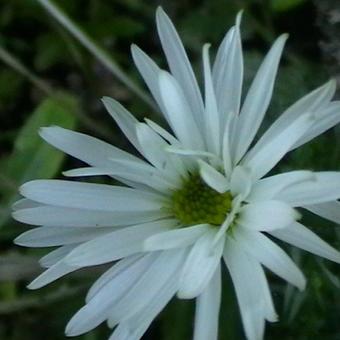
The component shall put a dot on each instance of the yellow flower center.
(196, 203)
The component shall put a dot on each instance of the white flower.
(197, 201)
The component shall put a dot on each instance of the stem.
(14, 63)
(95, 49)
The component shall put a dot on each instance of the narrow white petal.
(270, 255)
(179, 114)
(226, 146)
(117, 244)
(327, 210)
(88, 149)
(176, 238)
(144, 174)
(109, 275)
(326, 118)
(269, 187)
(24, 203)
(269, 308)
(56, 255)
(228, 73)
(149, 71)
(51, 274)
(90, 196)
(240, 183)
(57, 236)
(300, 236)
(208, 308)
(162, 132)
(191, 152)
(254, 272)
(148, 286)
(125, 120)
(312, 102)
(96, 311)
(51, 216)
(88, 171)
(257, 100)
(324, 188)
(200, 265)
(128, 171)
(213, 178)
(179, 64)
(267, 215)
(212, 117)
(153, 149)
(135, 327)
(266, 158)
(246, 275)
(152, 146)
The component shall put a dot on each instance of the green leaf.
(32, 157)
(285, 5)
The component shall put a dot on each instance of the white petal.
(128, 171)
(51, 216)
(228, 73)
(324, 188)
(153, 149)
(266, 158)
(328, 210)
(213, 178)
(312, 102)
(270, 255)
(57, 236)
(117, 244)
(125, 120)
(56, 255)
(226, 146)
(88, 149)
(269, 187)
(200, 265)
(240, 183)
(135, 327)
(176, 238)
(191, 152)
(208, 308)
(90, 196)
(51, 274)
(212, 117)
(179, 114)
(300, 236)
(162, 132)
(96, 311)
(267, 215)
(326, 119)
(149, 71)
(148, 286)
(257, 100)
(24, 203)
(179, 64)
(246, 275)
(109, 275)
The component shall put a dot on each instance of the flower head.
(195, 201)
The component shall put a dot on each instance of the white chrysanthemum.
(198, 200)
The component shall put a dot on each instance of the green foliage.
(10, 84)
(285, 5)
(33, 158)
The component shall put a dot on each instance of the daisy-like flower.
(196, 201)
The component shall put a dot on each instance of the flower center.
(196, 203)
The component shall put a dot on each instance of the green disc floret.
(196, 203)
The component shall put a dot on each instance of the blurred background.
(55, 74)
